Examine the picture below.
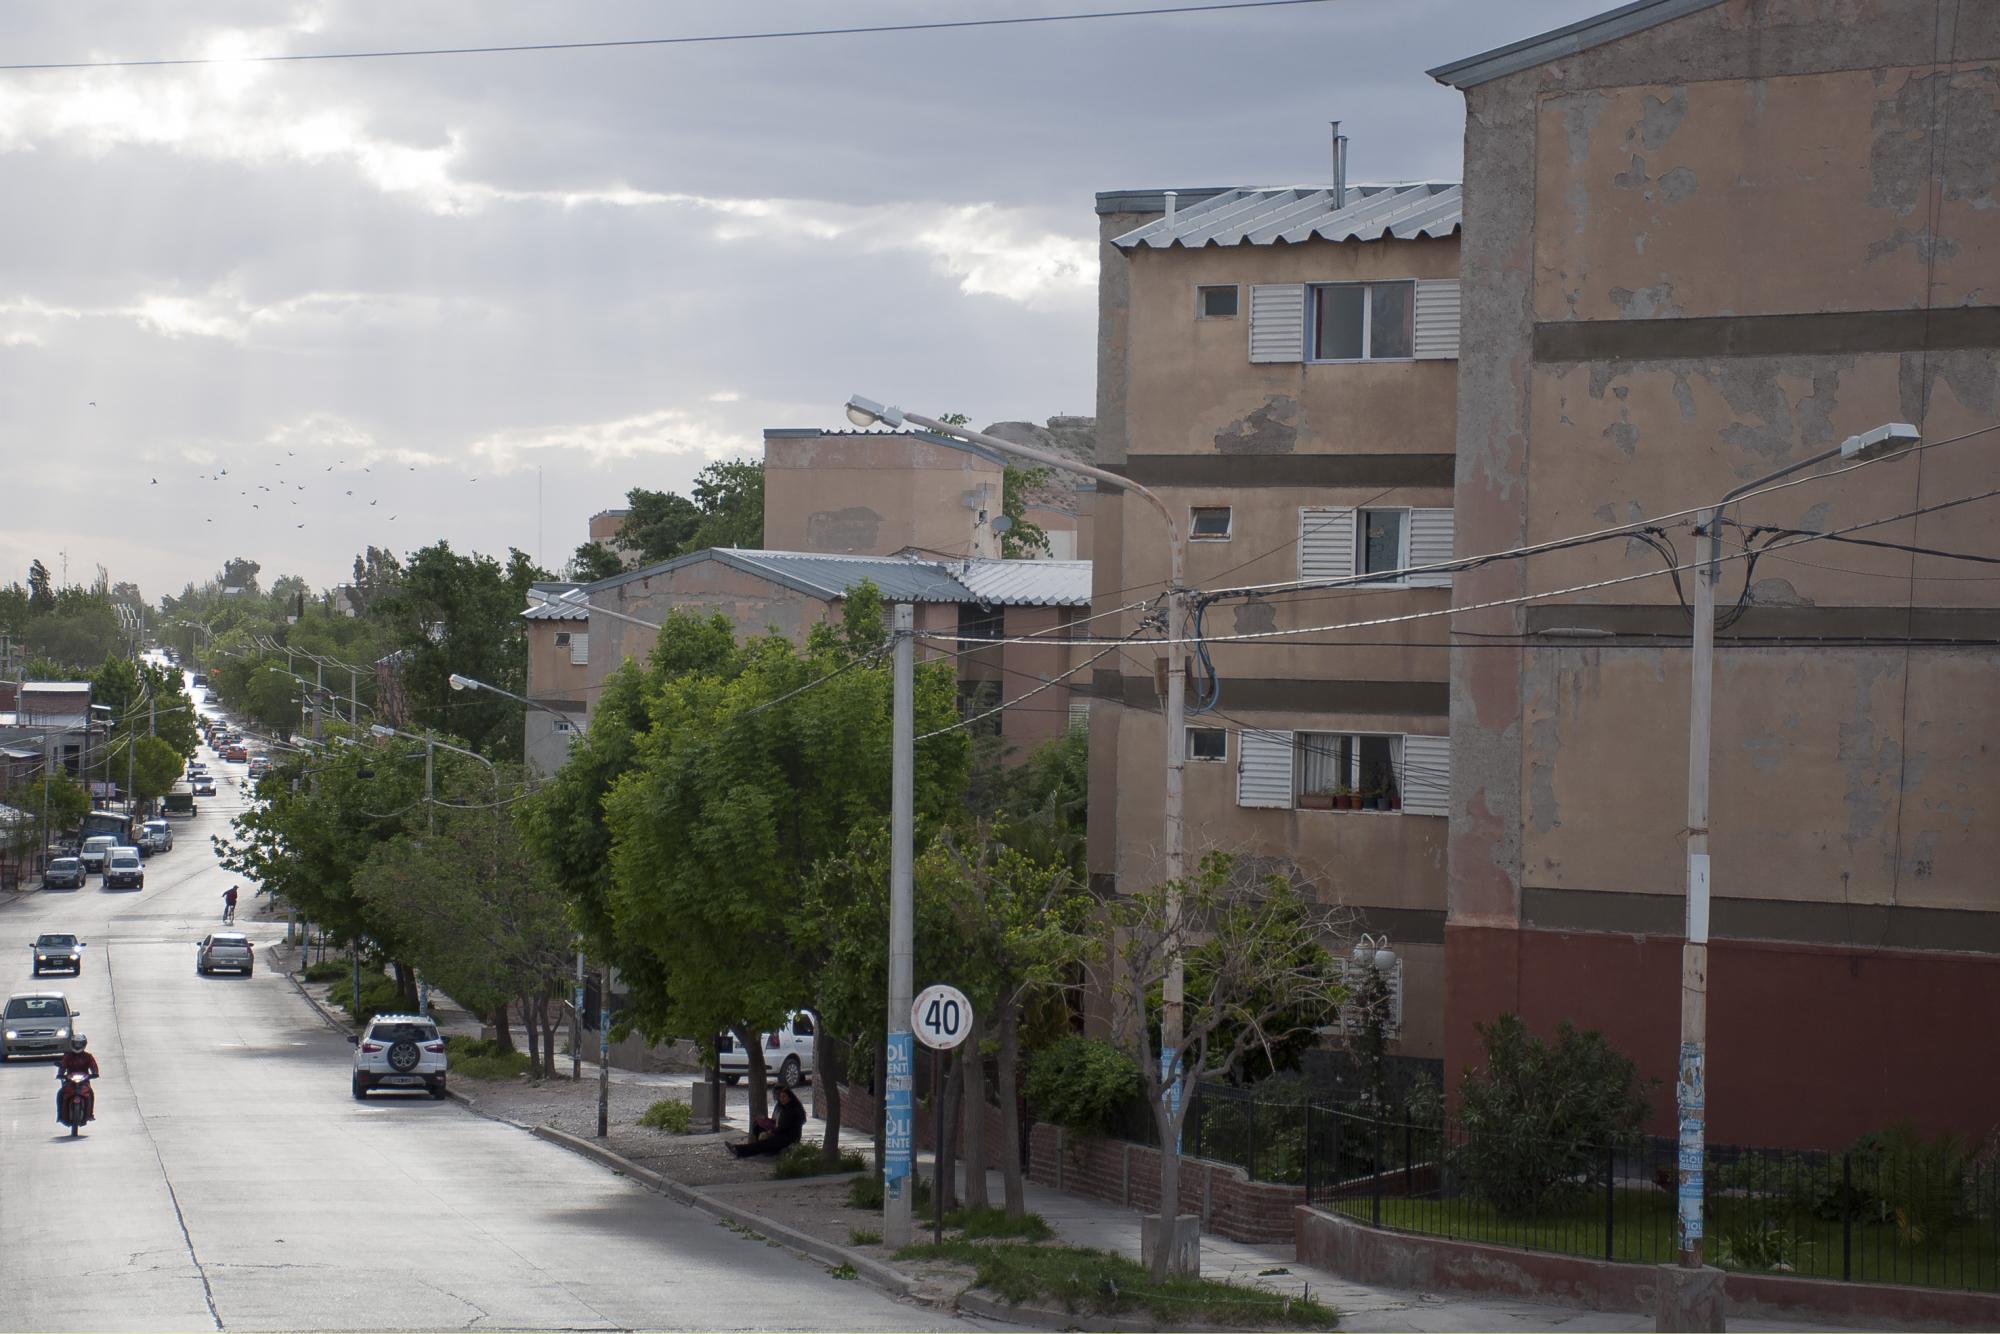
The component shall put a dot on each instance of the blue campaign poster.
(898, 1108)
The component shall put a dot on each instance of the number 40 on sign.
(942, 1017)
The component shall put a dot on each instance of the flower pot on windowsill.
(1315, 801)
(1395, 803)
(1382, 803)
(1342, 801)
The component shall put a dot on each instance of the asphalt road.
(231, 1182)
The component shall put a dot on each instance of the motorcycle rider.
(77, 1061)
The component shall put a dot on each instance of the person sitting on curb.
(776, 1133)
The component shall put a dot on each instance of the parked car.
(55, 951)
(38, 1023)
(204, 786)
(124, 869)
(259, 765)
(156, 836)
(63, 873)
(225, 949)
(235, 753)
(788, 1053)
(399, 1051)
(95, 849)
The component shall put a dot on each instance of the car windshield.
(96, 844)
(228, 942)
(124, 859)
(55, 942)
(63, 864)
(36, 1007)
(403, 1033)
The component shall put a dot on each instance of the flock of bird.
(221, 477)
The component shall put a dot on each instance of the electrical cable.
(707, 39)
(1030, 694)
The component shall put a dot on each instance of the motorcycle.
(74, 1103)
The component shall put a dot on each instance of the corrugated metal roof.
(1028, 583)
(1305, 213)
(1609, 26)
(568, 604)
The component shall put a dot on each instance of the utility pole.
(576, 1023)
(353, 698)
(898, 1107)
(1690, 1087)
(603, 1051)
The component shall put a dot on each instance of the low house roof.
(1303, 213)
(557, 602)
(901, 578)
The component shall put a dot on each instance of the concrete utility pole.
(576, 1024)
(604, 1051)
(898, 1109)
(866, 412)
(1690, 1086)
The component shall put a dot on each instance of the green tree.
(155, 766)
(594, 561)
(41, 589)
(1258, 975)
(1022, 538)
(726, 510)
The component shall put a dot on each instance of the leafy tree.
(594, 561)
(239, 572)
(377, 572)
(155, 766)
(1023, 538)
(41, 589)
(64, 800)
(1258, 974)
(1538, 1117)
(726, 510)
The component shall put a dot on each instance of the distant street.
(230, 1181)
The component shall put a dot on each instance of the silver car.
(225, 949)
(37, 1023)
(57, 951)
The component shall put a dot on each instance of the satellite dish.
(1002, 524)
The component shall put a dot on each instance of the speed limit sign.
(942, 1017)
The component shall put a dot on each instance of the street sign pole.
(942, 1018)
(898, 1129)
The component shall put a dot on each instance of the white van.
(788, 1053)
(96, 849)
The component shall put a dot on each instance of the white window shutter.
(1264, 769)
(1426, 776)
(1437, 319)
(1430, 544)
(579, 649)
(1326, 542)
(1278, 322)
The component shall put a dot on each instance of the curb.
(971, 1302)
(332, 1020)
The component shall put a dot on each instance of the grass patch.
(378, 995)
(1084, 1281)
(843, 1271)
(485, 1058)
(866, 1193)
(809, 1160)
(1643, 1233)
(861, 1236)
(328, 970)
(668, 1114)
(976, 1224)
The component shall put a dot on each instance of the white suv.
(788, 1053)
(399, 1051)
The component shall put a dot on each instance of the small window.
(1380, 542)
(1208, 523)
(802, 1025)
(562, 639)
(1364, 769)
(977, 622)
(1363, 321)
(1215, 303)
(1208, 744)
(563, 726)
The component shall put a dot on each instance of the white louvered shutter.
(1437, 319)
(1278, 322)
(1326, 542)
(1351, 1017)
(579, 649)
(1426, 775)
(1264, 769)
(1430, 543)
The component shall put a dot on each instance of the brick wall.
(1228, 1203)
(858, 1111)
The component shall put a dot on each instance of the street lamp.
(459, 682)
(1690, 1087)
(864, 412)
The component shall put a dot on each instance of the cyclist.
(229, 904)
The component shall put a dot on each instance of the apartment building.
(1712, 239)
(1279, 365)
(557, 628)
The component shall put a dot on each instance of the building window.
(1381, 543)
(1215, 303)
(1362, 769)
(1208, 744)
(1208, 523)
(977, 622)
(562, 639)
(1363, 321)
(563, 726)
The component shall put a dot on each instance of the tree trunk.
(881, 1092)
(551, 1016)
(1159, 1262)
(827, 1069)
(759, 1104)
(972, 1106)
(533, 1036)
(1010, 1111)
(501, 1033)
(406, 986)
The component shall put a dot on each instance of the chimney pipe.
(1339, 166)
(1172, 197)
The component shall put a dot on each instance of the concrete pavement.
(230, 1182)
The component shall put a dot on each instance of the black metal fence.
(1892, 1209)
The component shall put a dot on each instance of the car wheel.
(788, 1073)
(36, 969)
(249, 972)
(732, 1080)
(360, 1089)
(437, 1090)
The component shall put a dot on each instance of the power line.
(1004, 705)
(706, 39)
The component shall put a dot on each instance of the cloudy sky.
(479, 297)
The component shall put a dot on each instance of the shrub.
(978, 1223)
(861, 1236)
(378, 995)
(1919, 1183)
(866, 1193)
(489, 1063)
(1538, 1117)
(328, 970)
(1773, 1248)
(668, 1114)
(1082, 1083)
(809, 1160)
